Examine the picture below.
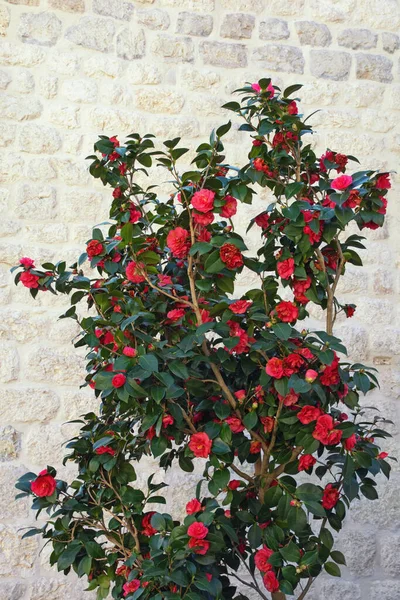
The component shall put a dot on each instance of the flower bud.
(311, 375)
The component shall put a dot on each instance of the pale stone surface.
(68, 5)
(390, 42)
(223, 55)
(280, 58)
(117, 9)
(274, 29)
(237, 26)
(330, 64)
(92, 32)
(42, 28)
(373, 66)
(19, 109)
(39, 139)
(24, 56)
(154, 18)
(131, 44)
(80, 90)
(27, 405)
(4, 20)
(313, 34)
(9, 365)
(194, 24)
(166, 101)
(357, 39)
(173, 48)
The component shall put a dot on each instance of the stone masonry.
(73, 69)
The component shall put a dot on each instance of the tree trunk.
(278, 596)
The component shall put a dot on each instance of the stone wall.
(71, 69)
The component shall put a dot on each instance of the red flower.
(129, 351)
(262, 220)
(167, 420)
(330, 496)
(261, 559)
(44, 485)
(306, 462)
(175, 314)
(274, 368)
(200, 444)
(285, 268)
(29, 280)
(349, 310)
(255, 447)
(197, 530)
(292, 108)
(231, 256)
(270, 581)
(382, 455)
(235, 424)
(94, 248)
(26, 262)
(117, 192)
(134, 215)
(383, 182)
(342, 182)
(350, 442)
(308, 414)
(105, 450)
(287, 312)
(268, 423)
(131, 586)
(330, 375)
(123, 571)
(234, 484)
(193, 507)
(203, 200)
(118, 380)
(325, 432)
(203, 219)
(178, 241)
(199, 546)
(292, 363)
(132, 272)
(230, 207)
(148, 530)
(240, 306)
(299, 287)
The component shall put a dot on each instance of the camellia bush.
(185, 369)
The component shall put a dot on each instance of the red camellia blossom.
(178, 241)
(383, 182)
(325, 431)
(274, 368)
(292, 108)
(262, 220)
(123, 571)
(203, 219)
(234, 484)
(147, 528)
(240, 306)
(330, 496)
(230, 207)
(94, 248)
(306, 462)
(235, 424)
(308, 414)
(129, 351)
(285, 268)
(382, 455)
(342, 182)
(270, 581)
(287, 311)
(197, 530)
(105, 450)
(350, 442)
(292, 363)
(200, 444)
(133, 274)
(26, 262)
(134, 215)
(330, 375)
(175, 314)
(199, 546)
(203, 200)
(130, 587)
(268, 423)
(44, 485)
(255, 447)
(231, 256)
(118, 380)
(349, 310)
(29, 280)
(164, 280)
(261, 558)
(193, 506)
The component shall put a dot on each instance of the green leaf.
(200, 248)
(291, 89)
(338, 557)
(223, 129)
(282, 330)
(332, 569)
(250, 420)
(297, 519)
(220, 447)
(149, 362)
(291, 553)
(84, 566)
(158, 522)
(179, 369)
(66, 559)
(309, 491)
(327, 538)
(292, 189)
